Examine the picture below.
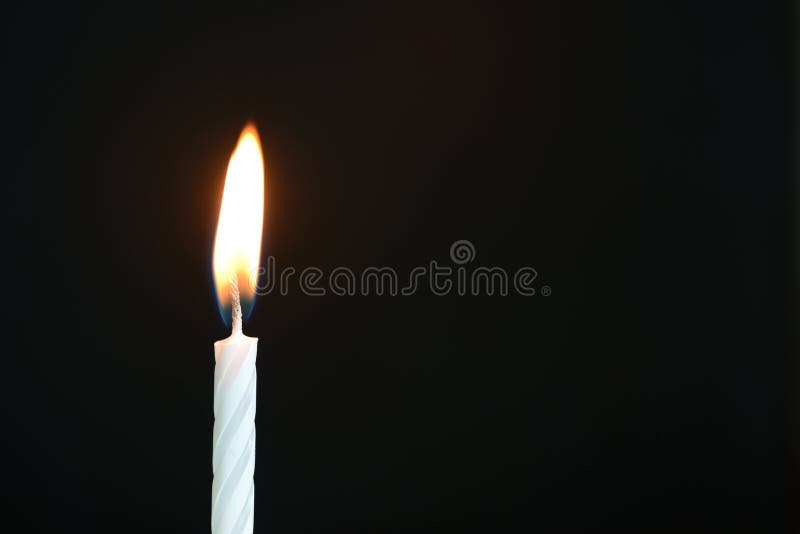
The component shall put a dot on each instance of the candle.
(237, 249)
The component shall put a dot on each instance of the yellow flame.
(237, 247)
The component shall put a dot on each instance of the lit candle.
(237, 249)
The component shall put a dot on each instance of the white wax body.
(234, 458)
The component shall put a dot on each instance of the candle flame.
(237, 247)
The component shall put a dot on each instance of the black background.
(637, 156)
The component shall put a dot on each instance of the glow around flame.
(237, 247)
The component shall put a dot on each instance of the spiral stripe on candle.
(233, 461)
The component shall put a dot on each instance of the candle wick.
(236, 304)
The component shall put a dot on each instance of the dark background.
(638, 156)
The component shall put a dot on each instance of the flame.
(237, 247)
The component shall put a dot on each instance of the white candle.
(236, 255)
(234, 431)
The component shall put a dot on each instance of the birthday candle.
(237, 249)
